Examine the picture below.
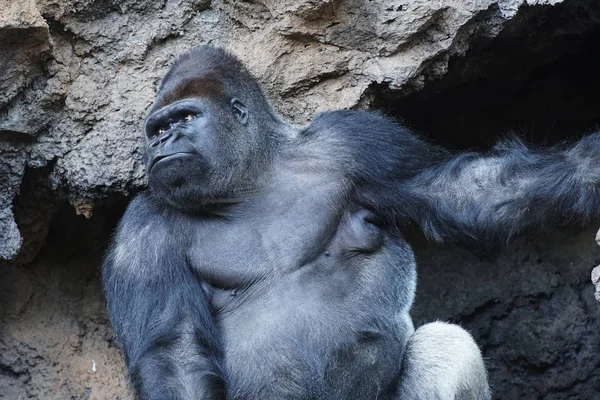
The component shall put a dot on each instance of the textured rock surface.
(78, 75)
(56, 341)
(532, 311)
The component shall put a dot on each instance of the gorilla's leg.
(442, 362)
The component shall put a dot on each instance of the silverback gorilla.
(267, 261)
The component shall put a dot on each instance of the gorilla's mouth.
(163, 157)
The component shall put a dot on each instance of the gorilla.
(267, 261)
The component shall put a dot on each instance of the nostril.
(165, 137)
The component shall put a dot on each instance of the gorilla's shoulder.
(351, 121)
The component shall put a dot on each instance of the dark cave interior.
(538, 79)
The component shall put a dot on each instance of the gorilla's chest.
(270, 235)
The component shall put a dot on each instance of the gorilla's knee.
(443, 362)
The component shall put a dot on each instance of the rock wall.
(78, 76)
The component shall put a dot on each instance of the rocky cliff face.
(78, 75)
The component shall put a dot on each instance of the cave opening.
(537, 79)
(56, 341)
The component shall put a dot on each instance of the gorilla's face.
(195, 150)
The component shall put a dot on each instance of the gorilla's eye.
(188, 118)
(160, 131)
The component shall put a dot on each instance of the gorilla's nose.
(166, 139)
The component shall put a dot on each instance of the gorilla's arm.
(484, 199)
(159, 312)
(479, 200)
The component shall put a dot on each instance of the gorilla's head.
(210, 132)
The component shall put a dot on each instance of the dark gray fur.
(268, 263)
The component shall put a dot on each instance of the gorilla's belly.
(310, 332)
(312, 341)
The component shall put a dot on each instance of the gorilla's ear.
(239, 110)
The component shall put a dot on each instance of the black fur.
(267, 262)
